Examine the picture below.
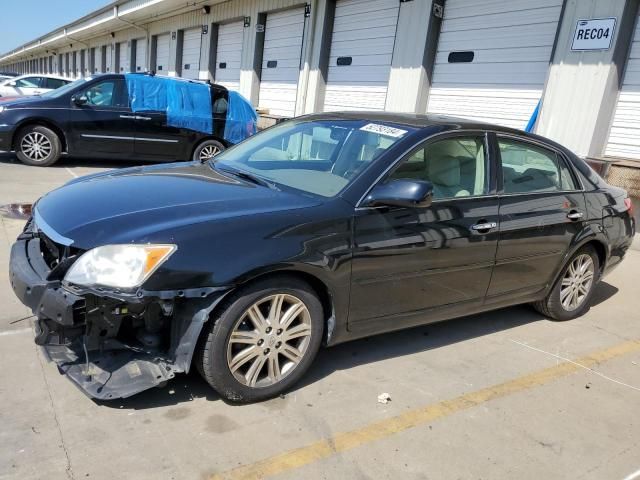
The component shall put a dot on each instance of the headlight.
(118, 266)
(1, 109)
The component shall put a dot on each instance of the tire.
(207, 150)
(245, 372)
(557, 304)
(38, 146)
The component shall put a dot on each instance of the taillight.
(629, 204)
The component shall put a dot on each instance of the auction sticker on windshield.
(383, 130)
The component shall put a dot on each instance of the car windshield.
(320, 157)
(58, 92)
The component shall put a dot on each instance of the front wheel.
(38, 146)
(264, 340)
(573, 290)
(207, 150)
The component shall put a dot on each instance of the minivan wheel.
(38, 146)
(264, 340)
(207, 150)
(574, 288)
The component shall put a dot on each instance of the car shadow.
(185, 388)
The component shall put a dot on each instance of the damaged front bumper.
(110, 344)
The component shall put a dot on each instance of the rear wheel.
(207, 150)
(264, 341)
(38, 146)
(573, 290)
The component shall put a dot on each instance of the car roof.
(436, 123)
(44, 75)
(415, 120)
(182, 79)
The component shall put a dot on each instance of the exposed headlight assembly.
(118, 266)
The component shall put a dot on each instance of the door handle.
(484, 226)
(575, 215)
(142, 118)
(129, 117)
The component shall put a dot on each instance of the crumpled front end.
(110, 344)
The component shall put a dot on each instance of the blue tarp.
(188, 104)
(534, 118)
(241, 119)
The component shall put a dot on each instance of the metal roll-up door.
(76, 64)
(492, 59)
(108, 61)
(191, 53)
(229, 55)
(124, 58)
(141, 55)
(624, 137)
(97, 68)
(281, 62)
(162, 54)
(361, 51)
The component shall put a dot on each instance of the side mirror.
(401, 193)
(12, 84)
(80, 100)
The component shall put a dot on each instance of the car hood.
(151, 204)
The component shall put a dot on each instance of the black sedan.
(320, 230)
(95, 117)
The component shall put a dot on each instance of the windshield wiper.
(249, 177)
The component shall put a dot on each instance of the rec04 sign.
(594, 34)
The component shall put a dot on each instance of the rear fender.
(591, 232)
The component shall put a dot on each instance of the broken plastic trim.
(119, 370)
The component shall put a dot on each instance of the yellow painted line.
(342, 442)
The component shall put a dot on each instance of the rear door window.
(53, 83)
(528, 168)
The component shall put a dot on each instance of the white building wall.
(582, 86)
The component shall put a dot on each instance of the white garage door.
(109, 59)
(624, 138)
(493, 58)
(124, 58)
(162, 55)
(229, 55)
(281, 62)
(77, 64)
(98, 60)
(141, 55)
(191, 53)
(361, 50)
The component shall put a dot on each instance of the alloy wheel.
(269, 340)
(208, 152)
(36, 146)
(577, 282)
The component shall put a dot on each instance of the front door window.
(454, 166)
